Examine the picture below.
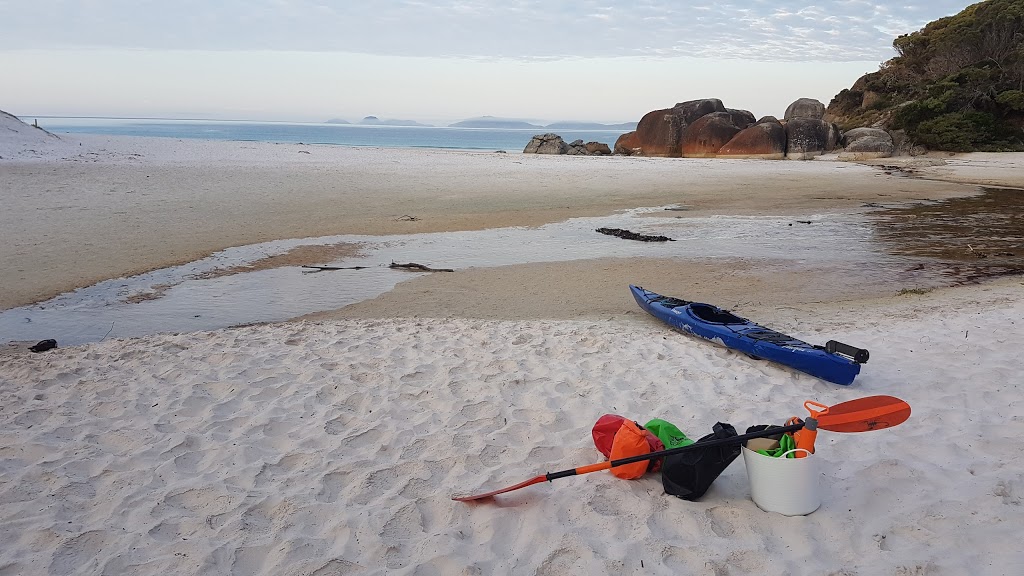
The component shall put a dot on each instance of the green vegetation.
(957, 84)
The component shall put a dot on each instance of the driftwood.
(626, 234)
(420, 267)
(323, 268)
(409, 266)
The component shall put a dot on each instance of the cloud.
(775, 30)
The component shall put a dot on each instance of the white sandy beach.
(333, 446)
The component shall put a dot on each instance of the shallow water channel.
(920, 246)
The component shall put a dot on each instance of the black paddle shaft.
(731, 440)
(859, 355)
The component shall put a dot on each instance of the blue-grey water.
(509, 140)
(194, 301)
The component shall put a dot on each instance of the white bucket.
(785, 485)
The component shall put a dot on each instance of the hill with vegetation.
(957, 84)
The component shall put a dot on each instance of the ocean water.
(509, 140)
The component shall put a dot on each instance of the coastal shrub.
(1012, 99)
(911, 114)
(958, 132)
(967, 132)
(956, 84)
(882, 103)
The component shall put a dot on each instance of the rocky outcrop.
(659, 131)
(866, 144)
(628, 144)
(553, 144)
(704, 137)
(741, 118)
(805, 108)
(546, 144)
(806, 138)
(706, 128)
(852, 136)
(834, 138)
(578, 148)
(765, 140)
(691, 110)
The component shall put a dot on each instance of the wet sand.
(112, 207)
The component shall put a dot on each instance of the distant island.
(505, 123)
(494, 122)
(627, 126)
(374, 121)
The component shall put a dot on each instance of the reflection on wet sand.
(960, 239)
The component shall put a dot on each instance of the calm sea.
(339, 134)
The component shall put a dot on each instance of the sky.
(437, 62)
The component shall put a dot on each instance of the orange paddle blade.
(865, 414)
(529, 482)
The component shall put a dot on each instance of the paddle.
(860, 415)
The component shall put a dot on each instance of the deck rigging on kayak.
(835, 362)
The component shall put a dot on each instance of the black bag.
(689, 474)
(43, 345)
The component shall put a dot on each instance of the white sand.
(333, 447)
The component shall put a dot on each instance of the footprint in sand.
(188, 463)
(406, 523)
(331, 484)
(726, 522)
(338, 567)
(77, 554)
(561, 561)
(31, 418)
(286, 466)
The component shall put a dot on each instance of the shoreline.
(125, 205)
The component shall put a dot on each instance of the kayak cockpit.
(714, 314)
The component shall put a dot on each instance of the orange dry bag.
(630, 441)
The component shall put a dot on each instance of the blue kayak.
(835, 362)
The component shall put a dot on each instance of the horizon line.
(188, 119)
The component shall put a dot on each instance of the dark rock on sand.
(765, 140)
(741, 118)
(658, 133)
(704, 137)
(805, 108)
(628, 144)
(806, 138)
(546, 144)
